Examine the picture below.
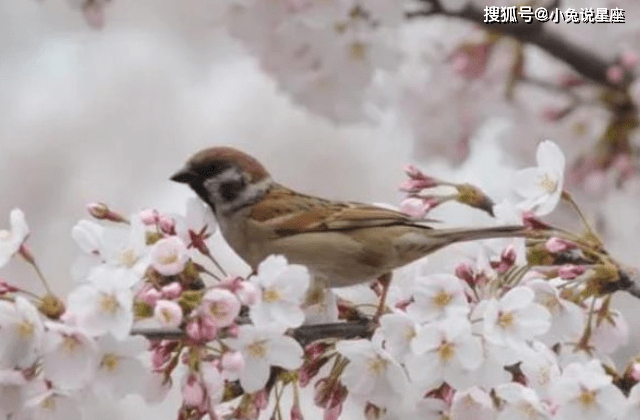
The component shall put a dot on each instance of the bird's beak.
(184, 176)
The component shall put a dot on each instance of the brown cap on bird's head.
(215, 160)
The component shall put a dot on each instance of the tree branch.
(304, 334)
(588, 63)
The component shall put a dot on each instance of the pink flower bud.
(615, 74)
(552, 114)
(193, 391)
(507, 259)
(232, 330)
(569, 80)
(315, 350)
(530, 220)
(261, 399)
(413, 172)
(149, 295)
(232, 364)
(414, 207)
(171, 290)
(634, 372)
(296, 414)
(102, 212)
(7, 288)
(149, 216)
(332, 413)
(465, 272)
(208, 329)
(570, 271)
(25, 252)
(414, 186)
(248, 293)
(558, 245)
(168, 313)
(167, 225)
(160, 356)
(194, 329)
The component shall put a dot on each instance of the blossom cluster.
(56, 358)
(521, 329)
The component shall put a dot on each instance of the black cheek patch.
(230, 190)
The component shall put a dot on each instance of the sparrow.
(341, 243)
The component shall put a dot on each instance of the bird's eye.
(231, 189)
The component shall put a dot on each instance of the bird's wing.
(288, 213)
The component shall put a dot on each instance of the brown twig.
(304, 334)
(583, 60)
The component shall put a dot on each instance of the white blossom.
(68, 349)
(541, 186)
(103, 305)
(169, 256)
(444, 351)
(118, 369)
(51, 405)
(515, 317)
(11, 240)
(473, 403)
(283, 289)
(438, 296)
(12, 391)
(522, 403)
(261, 349)
(372, 374)
(585, 391)
(397, 330)
(567, 318)
(540, 366)
(220, 307)
(168, 313)
(21, 333)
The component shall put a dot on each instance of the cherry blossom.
(438, 296)
(261, 349)
(473, 403)
(68, 349)
(12, 391)
(398, 330)
(11, 240)
(283, 289)
(51, 405)
(444, 351)
(220, 306)
(567, 318)
(21, 333)
(118, 369)
(585, 391)
(515, 317)
(522, 403)
(169, 255)
(103, 305)
(541, 186)
(168, 313)
(540, 367)
(124, 251)
(372, 374)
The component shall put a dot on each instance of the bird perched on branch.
(341, 243)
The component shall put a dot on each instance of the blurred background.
(109, 115)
